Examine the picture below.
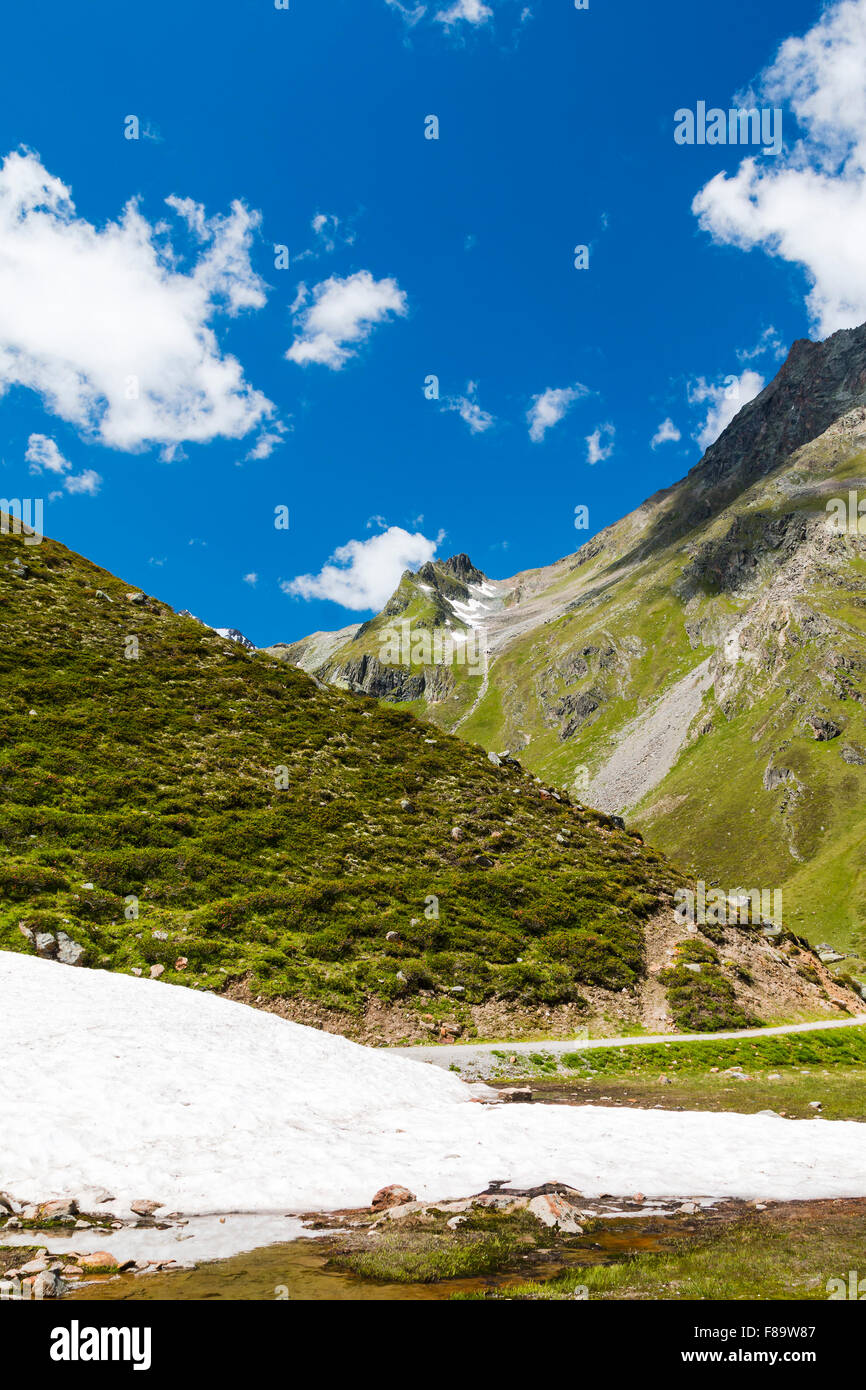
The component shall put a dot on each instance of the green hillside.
(206, 805)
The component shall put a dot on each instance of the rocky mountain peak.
(462, 568)
(818, 382)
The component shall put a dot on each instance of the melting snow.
(209, 1107)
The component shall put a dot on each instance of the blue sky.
(408, 258)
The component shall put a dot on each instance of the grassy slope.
(155, 778)
(740, 832)
(711, 812)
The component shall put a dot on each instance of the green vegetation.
(822, 1048)
(785, 1073)
(700, 997)
(210, 811)
(670, 578)
(789, 1255)
(422, 1249)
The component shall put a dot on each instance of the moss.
(766, 1256)
(399, 1257)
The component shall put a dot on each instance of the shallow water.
(298, 1270)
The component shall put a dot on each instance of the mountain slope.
(175, 804)
(693, 664)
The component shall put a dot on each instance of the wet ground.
(300, 1270)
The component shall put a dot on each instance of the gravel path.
(479, 1058)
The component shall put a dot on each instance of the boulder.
(68, 951)
(51, 1211)
(776, 777)
(393, 1196)
(98, 1259)
(48, 1284)
(143, 1206)
(822, 729)
(554, 1210)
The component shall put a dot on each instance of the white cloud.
(43, 453)
(469, 410)
(102, 324)
(550, 407)
(343, 313)
(269, 440)
(87, 483)
(596, 452)
(251, 579)
(769, 344)
(327, 228)
(409, 16)
(808, 206)
(364, 574)
(726, 399)
(667, 433)
(464, 11)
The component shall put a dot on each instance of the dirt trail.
(480, 1056)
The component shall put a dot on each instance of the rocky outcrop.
(367, 675)
(577, 709)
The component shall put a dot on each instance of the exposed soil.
(775, 991)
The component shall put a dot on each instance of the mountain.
(176, 805)
(701, 664)
(231, 633)
(393, 655)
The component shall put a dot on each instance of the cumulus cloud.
(596, 451)
(87, 483)
(473, 12)
(105, 327)
(251, 579)
(667, 433)
(42, 453)
(726, 399)
(550, 407)
(341, 316)
(364, 574)
(469, 410)
(808, 205)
